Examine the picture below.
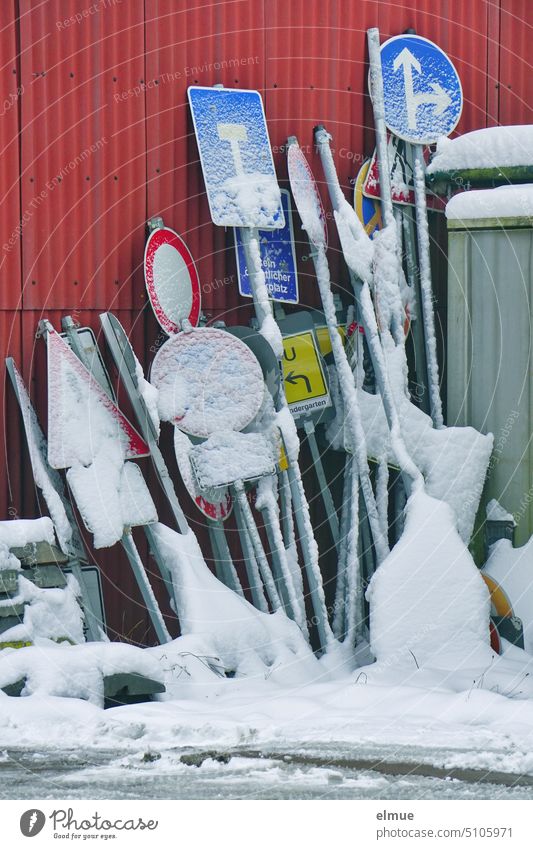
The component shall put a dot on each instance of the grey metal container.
(490, 357)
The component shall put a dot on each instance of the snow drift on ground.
(428, 599)
(224, 625)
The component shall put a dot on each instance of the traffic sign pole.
(325, 493)
(378, 106)
(346, 378)
(410, 472)
(426, 287)
(252, 571)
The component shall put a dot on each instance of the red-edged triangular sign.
(81, 417)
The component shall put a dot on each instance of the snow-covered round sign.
(172, 280)
(306, 196)
(422, 90)
(208, 381)
(216, 505)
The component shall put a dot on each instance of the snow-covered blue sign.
(278, 259)
(236, 157)
(423, 94)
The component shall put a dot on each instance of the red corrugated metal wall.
(95, 137)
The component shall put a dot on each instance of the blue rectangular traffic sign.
(236, 158)
(278, 259)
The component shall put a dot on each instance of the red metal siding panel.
(316, 73)
(460, 29)
(83, 153)
(201, 44)
(516, 79)
(11, 285)
(11, 479)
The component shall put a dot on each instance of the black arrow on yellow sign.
(293, 378)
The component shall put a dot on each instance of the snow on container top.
(509, 206)
(491, 155)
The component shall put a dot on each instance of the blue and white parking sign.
(278, 259)
(423, 94)
(236, 158)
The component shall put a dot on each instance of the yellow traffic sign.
(324, 342)
(306, 388)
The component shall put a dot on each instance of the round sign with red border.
(208, 381)
(172, 280)
(306, 196)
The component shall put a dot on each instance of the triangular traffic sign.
(81, 416)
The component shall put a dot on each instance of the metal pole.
(224, 565)
(252, 571)
(426, 288)
(257, 545)
(143, 583)
(410, 472)
(124, 358)
(325, 493)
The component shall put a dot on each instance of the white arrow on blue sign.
(278, 259)
(236, 157)
(422, 89)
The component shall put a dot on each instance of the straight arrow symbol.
(437, 96)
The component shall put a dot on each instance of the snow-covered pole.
(410, 473)
(378, 105)
(305, 185)
(426, 289)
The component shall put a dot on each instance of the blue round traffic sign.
(423, 94)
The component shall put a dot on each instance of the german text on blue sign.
(423, 94)
(236, 158)
(278, 259)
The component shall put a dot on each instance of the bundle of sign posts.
(237, 397)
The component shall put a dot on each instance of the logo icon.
(32, 822)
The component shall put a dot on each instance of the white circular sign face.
(208, 381)
(215, 505)
(306, 197)
(172, 280)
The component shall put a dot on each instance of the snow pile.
(502, 202)
(248, 200)
(111, 495)
(453, 460)
(512, 569)
(232, 456)
(51, 613)
(491, 147)
(16, 533)
(428, 599)
(225, 627)
(7, 560)
(389, 282)
(201, 377)
(73, 671)
(496, 513)
(357, 246)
